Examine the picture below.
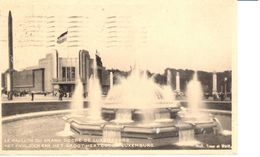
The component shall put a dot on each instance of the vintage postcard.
(118, 77)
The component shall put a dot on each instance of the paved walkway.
(36, 98)
(42, 98)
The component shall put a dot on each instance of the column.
(54, 63)
(111, 80)
(214, 87)
(168, 77)
(178, 82)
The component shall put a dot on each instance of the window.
(68, 73)
(63, 73)
(73, 73)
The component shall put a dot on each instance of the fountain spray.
(94, 95)
(194, 95)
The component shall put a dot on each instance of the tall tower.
(10, 48)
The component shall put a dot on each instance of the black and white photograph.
(120, 77)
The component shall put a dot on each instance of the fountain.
(77, 103)
(194, 95)
(139, 111)
(94, 96)
(76, 106)
(193, 116)
(195, 103)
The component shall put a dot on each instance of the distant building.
(28, 80)
(53, 73)
(224, 80)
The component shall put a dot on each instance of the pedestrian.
(32, 96)
(222, 96)
(60, 94)
(11, 94)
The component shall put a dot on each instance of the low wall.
(13, 108)
(216, 105)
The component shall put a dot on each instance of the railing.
(63, 80)
(67, 80)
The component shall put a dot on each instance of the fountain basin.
(132, 133)
(159, 132)
(16, 128)
(136, 114)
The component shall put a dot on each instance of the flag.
(62, 37)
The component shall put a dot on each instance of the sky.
(155, 34)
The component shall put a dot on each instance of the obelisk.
(10, 48)
(177, 82)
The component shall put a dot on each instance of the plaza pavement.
(37, 98)
(51, 98)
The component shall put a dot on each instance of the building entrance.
(67, 89)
